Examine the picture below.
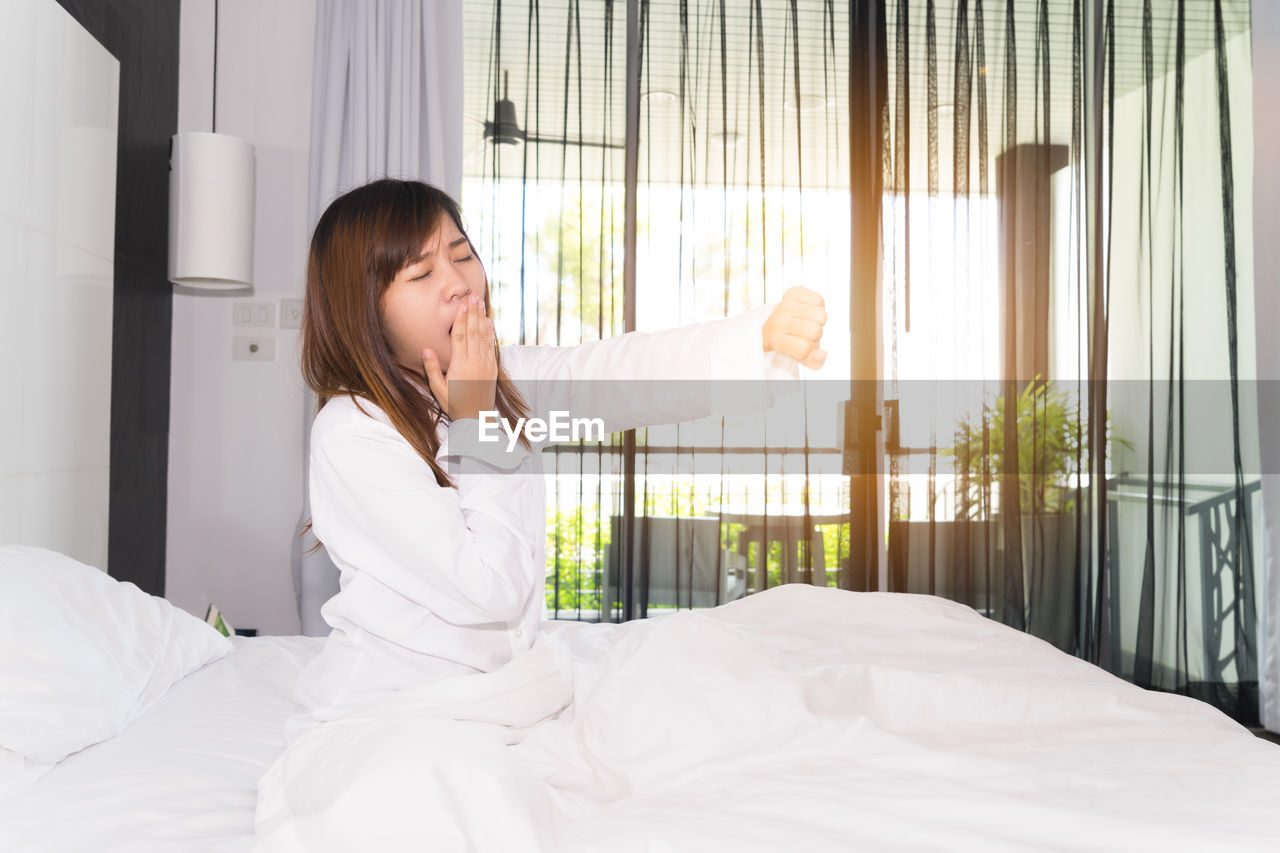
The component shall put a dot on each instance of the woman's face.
(419, 305)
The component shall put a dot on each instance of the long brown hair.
(363, 239)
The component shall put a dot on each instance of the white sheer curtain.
(1266, 213)
(386, 101)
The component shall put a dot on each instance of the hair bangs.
(409, 218)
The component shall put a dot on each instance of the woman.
(442, 551)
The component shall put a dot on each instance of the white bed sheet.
(183, 776)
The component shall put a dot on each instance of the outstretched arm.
(648, 378)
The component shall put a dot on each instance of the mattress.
(795, 719)
(183, 776)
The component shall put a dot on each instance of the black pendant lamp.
(504, 129)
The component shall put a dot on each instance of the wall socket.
(253, 349)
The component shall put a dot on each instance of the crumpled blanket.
(799, 718)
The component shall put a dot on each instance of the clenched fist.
(795, 327)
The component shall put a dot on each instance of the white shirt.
(437, 581)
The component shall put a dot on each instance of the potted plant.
(1049, 454)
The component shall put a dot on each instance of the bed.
(800, 718)
(182, 776)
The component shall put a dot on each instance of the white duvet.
(796, 719)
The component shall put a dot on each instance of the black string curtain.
(743, 192)
(543, 188)
(740, 192)
(1062, 344)
(1184, 520)
(984, 168)
(1057, 282)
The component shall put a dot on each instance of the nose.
(457, 289)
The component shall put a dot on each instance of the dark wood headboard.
(143, 36)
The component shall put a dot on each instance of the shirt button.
(519, 633)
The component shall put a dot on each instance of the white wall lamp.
(211, 200)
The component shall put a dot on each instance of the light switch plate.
(245, 348)
(256, 314)
(291, 313)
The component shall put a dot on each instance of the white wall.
(57, 238)
(1266, 221)
(1206, 355)
(235, 446)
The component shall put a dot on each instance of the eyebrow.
(455, 244)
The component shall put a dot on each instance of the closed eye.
(428, 272)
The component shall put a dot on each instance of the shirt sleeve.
(648, 378)
(465, 554)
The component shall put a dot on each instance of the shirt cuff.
(473, 446)
(745, 378)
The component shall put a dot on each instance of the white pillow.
(81, 654)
